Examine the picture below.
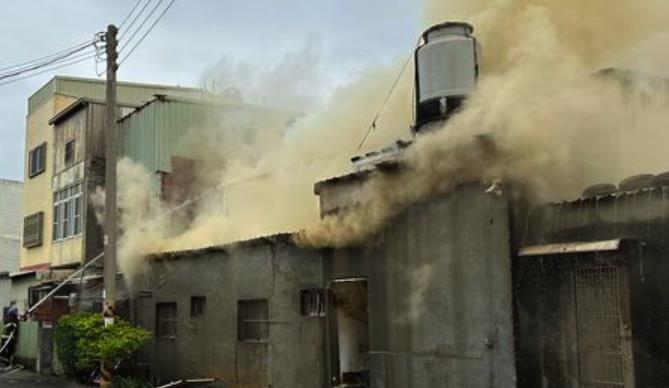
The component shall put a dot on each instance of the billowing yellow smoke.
(540, 118)
(553, 125)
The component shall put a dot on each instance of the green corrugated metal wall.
(156, 133)
(27, 345)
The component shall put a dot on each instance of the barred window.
(32, 230)
(253, 320)
(313, 302)
(166, 320)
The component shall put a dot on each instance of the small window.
(37, 160)
(198, 306)
(313, 302)
(69, 153)
(253, 320)
(32, 230)
(166, 320)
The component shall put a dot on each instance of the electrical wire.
(36, 66)
(129, 13)
(139, 28)
(372, 125)
(132, 23)
(59, 65)
(147, 31)
(42, 59)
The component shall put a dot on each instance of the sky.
(206, 41)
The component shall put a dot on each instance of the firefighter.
(9, 335)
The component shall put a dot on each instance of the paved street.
(28, 379)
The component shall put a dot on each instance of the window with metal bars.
(253, 320)
(313, 302)
(166, 320)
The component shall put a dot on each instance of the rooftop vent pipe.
(447, 68)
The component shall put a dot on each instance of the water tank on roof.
(636, 182)
(447, 69)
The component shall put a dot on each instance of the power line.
(125, 19)
(132, 23)
(60, 65)
(372, 125)
(37, 60)
(42, 64)
(147, 31)
(139, 28)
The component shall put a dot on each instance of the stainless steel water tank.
(447, 69)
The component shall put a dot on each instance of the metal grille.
(166, 320)
(599, 317)
(253, 320)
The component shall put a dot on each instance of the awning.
(571, 247)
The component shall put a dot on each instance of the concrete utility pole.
(111, 143)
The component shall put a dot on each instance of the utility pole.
(111, 152)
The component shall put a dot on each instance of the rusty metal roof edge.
(355, 175)
(80, 103)
(279, 238)
(571, 247)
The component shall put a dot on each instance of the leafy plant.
(83, 342)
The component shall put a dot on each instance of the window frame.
(171, 320)
(68, 154)
(253, 320)
(68, 221)
(198, 306)
(39, 239)
(37, 160)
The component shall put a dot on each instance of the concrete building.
(45, 159)
(240, 320)
(428, 303)
(11, 197)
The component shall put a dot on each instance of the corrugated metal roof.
(571, 247)
(274, 239)
(80, 103)
(127, 92)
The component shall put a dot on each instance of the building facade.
(48, 163)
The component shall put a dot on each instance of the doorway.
(349, 333)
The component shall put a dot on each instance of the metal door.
(603, 329)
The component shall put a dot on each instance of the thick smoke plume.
(541, 118)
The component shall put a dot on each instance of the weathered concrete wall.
(5, 290)
(440, 301)
(268, 269)
(11, 199)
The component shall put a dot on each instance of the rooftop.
(276, 239)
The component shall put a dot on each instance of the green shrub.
(83, 342)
